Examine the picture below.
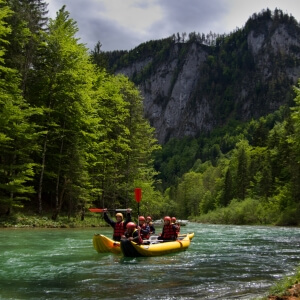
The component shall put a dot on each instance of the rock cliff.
(195, 87)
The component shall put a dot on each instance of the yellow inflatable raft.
(152, 247)
(103, 244)
(156, 248)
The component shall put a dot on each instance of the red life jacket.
(119, 229)
(169, 232)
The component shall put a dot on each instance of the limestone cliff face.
(184, 97)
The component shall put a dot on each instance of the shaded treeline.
(244, 173)
(71, 135)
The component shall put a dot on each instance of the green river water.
(223, 262)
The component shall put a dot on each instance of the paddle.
(100, 210)
(138, 197)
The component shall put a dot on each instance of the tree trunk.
(82, 213)
(40, 188)
(58, 201)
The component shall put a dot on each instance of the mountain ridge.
(193, 86)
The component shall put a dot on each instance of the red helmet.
(131, 225)
(167, 218)
(173, 219)
(141, 218)
(149, 218)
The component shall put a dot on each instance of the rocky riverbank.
(292, 293)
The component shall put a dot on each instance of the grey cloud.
(194, 15)
(92, 28)
(180, 16)
(112, 37)
(189, 16)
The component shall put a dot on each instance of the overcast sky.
(124, 24)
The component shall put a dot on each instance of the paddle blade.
(96, 209)
(138, 194)
(102, 210)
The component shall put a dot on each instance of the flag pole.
(138, 197)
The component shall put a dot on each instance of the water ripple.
(223, 262)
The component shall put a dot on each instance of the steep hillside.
(191, 86)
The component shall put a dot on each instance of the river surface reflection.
(223, 262)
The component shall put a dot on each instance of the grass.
(281, 288)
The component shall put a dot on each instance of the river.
(223, 262)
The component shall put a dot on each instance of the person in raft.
(119, 226)
(169, 232)
(150, 223)
(132, 233)
(144, 228)
(174, 221)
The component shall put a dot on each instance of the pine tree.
(294, 140)
(99, 57)
(125, 143)
(64, 77)
(27, 22)
(242, 177)
(16, 133)
(228, 188)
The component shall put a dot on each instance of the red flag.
(138, 194)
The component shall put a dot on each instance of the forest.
(73, 136)
(245, 173)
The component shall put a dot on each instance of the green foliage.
(189, 193)
(249, 211)
(241, 156)
(255, 181)
(153, 203)
(98, 57)
(125, 143)
(64, 77)
(29, 219)
(27, 22)
(85, 142)
(17, 140)
(178, 155)
(294, 139)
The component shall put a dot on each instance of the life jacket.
(145, 232)
(127, 235)
(119, 229)
(137, 238)
(169, 232)
(152, 228)
(177, 228)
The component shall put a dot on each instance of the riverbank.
(26, 220)
(292, 293)
(286, 289)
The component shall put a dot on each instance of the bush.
(22, 220)
(247, 212)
